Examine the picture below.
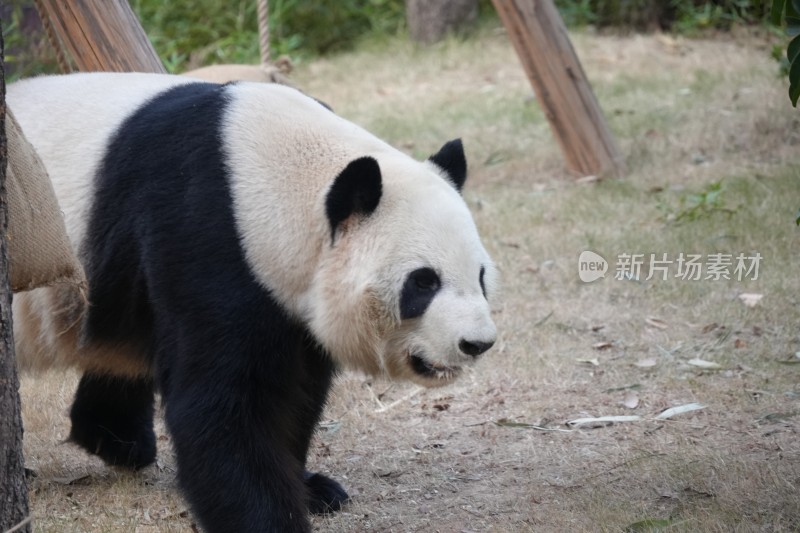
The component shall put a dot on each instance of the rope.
(63, 64)
(263, 32)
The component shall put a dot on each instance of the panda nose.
(474, 348)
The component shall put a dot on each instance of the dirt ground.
(711, 143)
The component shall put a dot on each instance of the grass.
(696, 119)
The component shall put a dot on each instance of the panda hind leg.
(112, 417)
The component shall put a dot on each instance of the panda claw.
(324, 494)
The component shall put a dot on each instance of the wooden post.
(543, 46)
(101, 35)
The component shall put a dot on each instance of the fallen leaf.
(85, 479)
(739, 343)
(795, 361)
(710, 327)
(385, 473)
(695, 492)
(656, 322)
(626, 387)
(673, 411)
(593, 361)
(543, 320)
(777, 417)
(701, 363)
(505, 422)
(750, 299)
(605, 345)
(631, 400)
(600, 421)
(646, 363)
(330, 426)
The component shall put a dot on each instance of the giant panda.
(241, 243)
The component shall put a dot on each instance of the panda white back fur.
(240, 242)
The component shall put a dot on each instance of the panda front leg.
(232, 417)
(325, 495)
(112, 417)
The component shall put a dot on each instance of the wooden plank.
(543, 46)
(101, 35)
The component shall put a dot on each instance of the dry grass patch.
(493, 453)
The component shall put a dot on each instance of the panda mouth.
(433, 370)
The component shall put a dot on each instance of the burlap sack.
(228, 73)
(39, 251)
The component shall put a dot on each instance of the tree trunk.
(430, 20)
(13, 490)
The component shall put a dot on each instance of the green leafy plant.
(697, 205)
(693, 16)
(191, 34)
(682, 16)
(789, 11)
(577, 13)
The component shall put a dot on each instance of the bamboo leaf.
(505, 422)
(702, 363)
(634, 386)
(602, 420)
(672, 411)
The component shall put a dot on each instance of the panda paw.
(117, 449)
(324, 494)
(112, 417)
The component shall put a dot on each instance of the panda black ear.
(356, 190)
(451, 159)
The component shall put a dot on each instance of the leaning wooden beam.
(543, 46)
(101, 35)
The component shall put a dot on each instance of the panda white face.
(416, 274)
(444, 280)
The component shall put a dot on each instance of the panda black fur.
(241, 241)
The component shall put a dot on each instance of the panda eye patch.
(425, 279)
(419, 289)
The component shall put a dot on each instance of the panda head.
(404, 287)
